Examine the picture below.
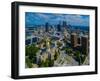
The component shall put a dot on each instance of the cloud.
(77, 19)
(42, 18)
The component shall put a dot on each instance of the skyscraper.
(79, 40)
(84, 43)
(47, 27)
(74, 39)
(64, 24)
(58, 28)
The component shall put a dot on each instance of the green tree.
(31, 51)
(28, 63)
(68, 50)
(44, 63)
(83, 57)
(59, 44)
(51, 63)
(78, 57)
(56, 55)
(41, 64)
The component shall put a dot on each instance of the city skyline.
(56, 40)
(32, 19)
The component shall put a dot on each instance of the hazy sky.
(32, 19)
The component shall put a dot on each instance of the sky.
(32, 19)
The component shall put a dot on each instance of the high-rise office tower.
(47, 27)
(74, 39)
(64, 24)
(58, 27)
(79, 40)
(85, 44)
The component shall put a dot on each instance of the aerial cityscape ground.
(56, 40)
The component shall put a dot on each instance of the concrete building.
(85, 44)
(38, 60)
(74, 39)
(79, 40)
(31, 39)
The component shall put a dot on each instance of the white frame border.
(54, 70)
